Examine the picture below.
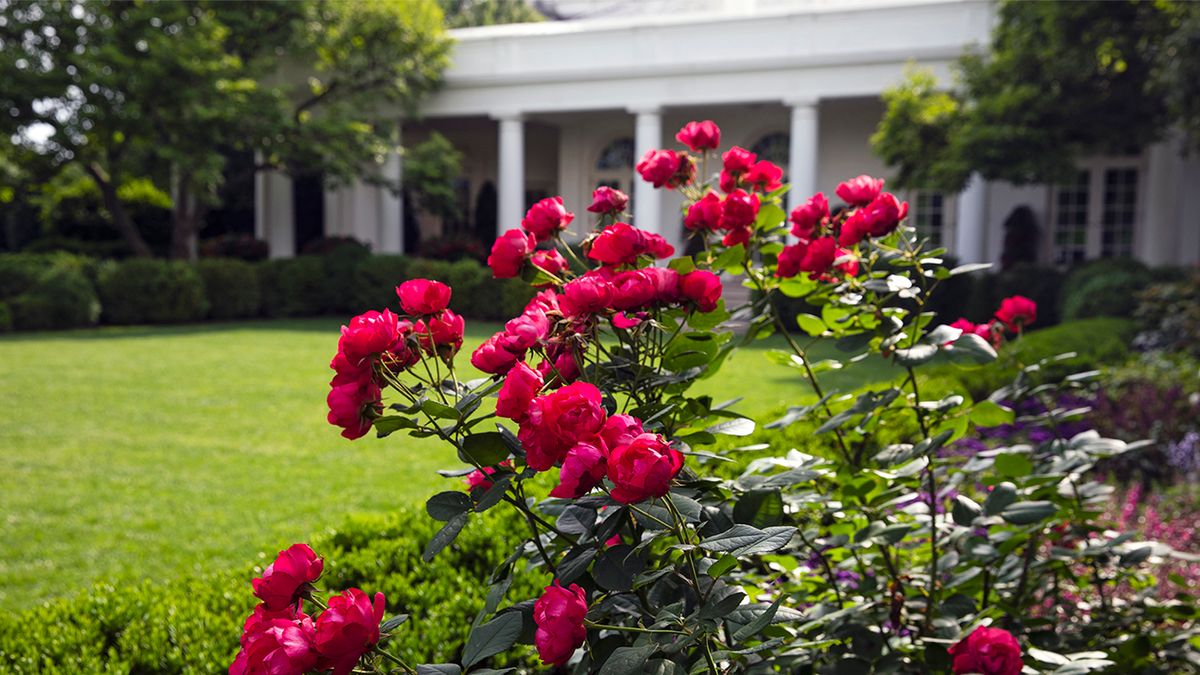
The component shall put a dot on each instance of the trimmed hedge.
(231, 287)
(1104, 288)
(46, 292)
(145, 290)
(192, 625)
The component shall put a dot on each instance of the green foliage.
(294, 287)
(191, 624)
(376, 280)
(1059, 80)
(151, 291)
(6, 323)
(1104, 288)
(1168, 314)
(469, 13)
(430, 169)
(231, 287)
(47, 292)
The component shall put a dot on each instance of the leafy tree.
(129, 90)
(467, 13)
(430, 168)
(1060, 79)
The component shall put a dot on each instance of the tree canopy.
(132, 91)
(1058, 81)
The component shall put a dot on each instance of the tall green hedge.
(145, 290)
(192, 625)
(231, 287)
(47, 292)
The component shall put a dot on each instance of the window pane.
(1120, 209)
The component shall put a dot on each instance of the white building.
(561, 107)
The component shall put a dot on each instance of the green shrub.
(192, 625)
(6, 323)
(376, 280)
(341, 263)
(1104, 288)
(143, 290)
(294, 287)
(231, 287)
(48, 291)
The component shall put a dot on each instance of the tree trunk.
(121, 220)
(185, 221)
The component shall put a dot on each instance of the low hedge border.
(191, 625)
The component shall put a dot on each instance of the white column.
(803, 142)
(969, 223)
(647, 200)
(260, 199)
(510, 172)
(1157, 239)
(391, 204)
(279, 219)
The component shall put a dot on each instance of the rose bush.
(884, 552)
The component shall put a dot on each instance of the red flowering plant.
(880, 552)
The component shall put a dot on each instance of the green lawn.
(145, 453)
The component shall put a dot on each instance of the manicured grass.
(145, 453)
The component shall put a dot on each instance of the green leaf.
(759, 508)
(616, 568)
(1014, 465)
(575, 564)
(435, 409)
(730, 259)
(493, 494)
(446, 505)
(741, 540)
(1000, 497)
(444, 536)
(625, 660)
(438, 669)
(971, 348)
(965, 511)
(760, 622)
(735, 427)
(726, 563)
(393, 623)
(683, 264)
(389, 424)
(485, 449)
(915, 355)
(492, 638)
(1027, 513)
(810, 324)
(970, 267)
(990, 414)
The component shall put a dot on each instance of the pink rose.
(815, 257)
(764, 176)
(492, 358)
(444, 335)
(559, 420)
(738, 160)
(618, 244)
(883, 214)
(738, 235)
(988, 651)
(368, 335)
(608, 200)
(700, 136)
(519, 390)
(348, 629)
(284, 581)
(620, 430)
(643, 469)
(588, 294)
(850, 266)
(739, 209)
(550, 261)
(705, 213)
(1017, 312)
(859, 190)
(702, 288)
(423, 296)
(808, 217)
(632, 289)
(546, 218)
(279, 646)
(666, 168)
(582, 469)
(854, 229)
(478, 479)
(524, 332)
(353, 406)
(509, 253)
(665, 282)
(983, 330)
(560, 366)
(559, 616)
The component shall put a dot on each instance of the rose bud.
(347, 630)
(520, 388)
(546, 218)
(764, 176)
(423, 296)
(738, 160)
(286, 579)
(643, 469)
(608, 200)
(807, 218)
(666, 168)
(559, 616)
(883, 214)
(353, 406)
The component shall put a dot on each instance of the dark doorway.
(308, 199)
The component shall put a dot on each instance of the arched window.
(775, 147)
(616, 156)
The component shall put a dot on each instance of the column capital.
(507, 116)
(802, 102)
(645, 109)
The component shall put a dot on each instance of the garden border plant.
(883, 553)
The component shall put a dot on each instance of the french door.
(1096, 214)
